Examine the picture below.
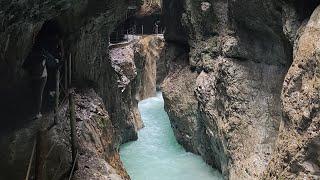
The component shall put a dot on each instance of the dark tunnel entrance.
(49, 44)
(137, 24)
(21, 103)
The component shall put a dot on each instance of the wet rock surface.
(85, 28)
(99, 158)
(136, 65)
(99, 135)
(181, 105)
(241, 86)
(122, 60)
(97, 143)
(297, 149)
(226, 92)
(148, 56)
(229, 114)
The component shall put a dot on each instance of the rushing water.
(157, 155)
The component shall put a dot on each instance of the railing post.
(157, 30)
(31, 159)
(128, 35)
(70, 72)
(57, 95)
(117, 37)
(66, 76)
(41, 149)
(73, 166)
(142, 30)
(72, 124)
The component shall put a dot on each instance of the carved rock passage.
(223, 91)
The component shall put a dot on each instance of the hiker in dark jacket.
(35, 65)
(42, 65)
(53, 52)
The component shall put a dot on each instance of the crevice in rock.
(305, 8)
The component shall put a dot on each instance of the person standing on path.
(35, 65)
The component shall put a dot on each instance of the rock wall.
(297, 149)
(85, 26)
(127, 75)
(136, 65)
(98, 137)
(97, 142)
(81, 22)
(223, 92)
(148, 57)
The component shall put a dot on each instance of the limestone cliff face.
(85, 26)
(97, 141)
(297, 149)
(81, 22)
(223, 93)
(98, 135)
(137, 64)
(148, 57)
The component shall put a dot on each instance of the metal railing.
(119, 36)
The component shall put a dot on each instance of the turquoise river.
(157, 155)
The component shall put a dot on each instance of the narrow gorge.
(159, 89)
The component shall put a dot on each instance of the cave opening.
(21, 101)
(50, 43)
(49, 39)
(133, 27)
(137, 24)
